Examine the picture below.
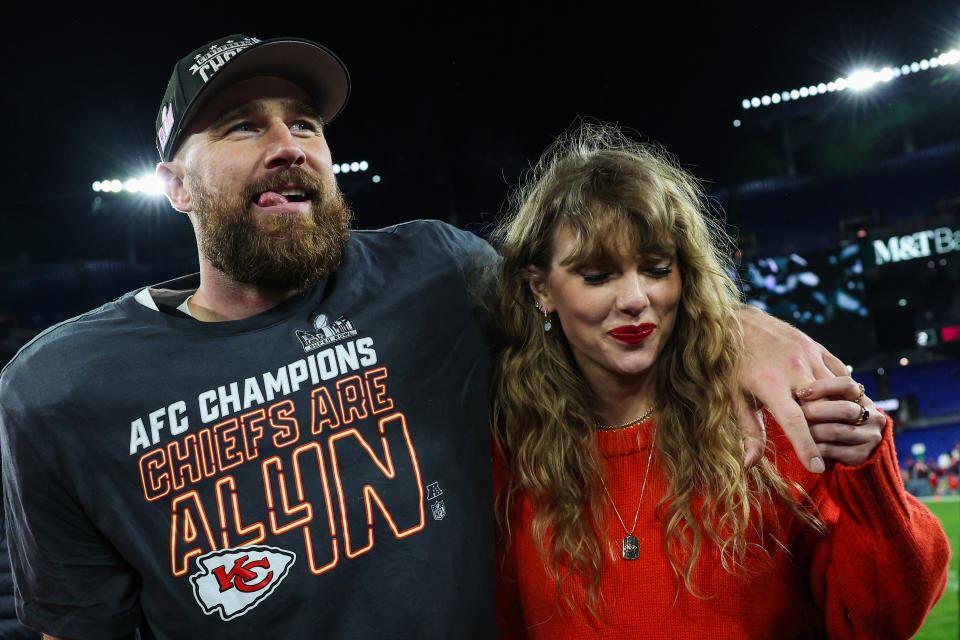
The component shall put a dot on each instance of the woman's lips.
(632, 333)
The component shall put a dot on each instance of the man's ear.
(171, 174)
(540, 288)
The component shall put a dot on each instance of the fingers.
(820, 411)
(754, 435)
(833, 387)
(836, 432)
(845, 434)
(791, 418)
(833, 363)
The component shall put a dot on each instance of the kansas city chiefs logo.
(231, 582)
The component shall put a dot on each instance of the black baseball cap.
(201, 74)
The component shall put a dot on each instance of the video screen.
(823, 293)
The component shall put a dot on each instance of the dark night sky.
(449, 103)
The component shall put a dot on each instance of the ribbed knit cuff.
(872, 493)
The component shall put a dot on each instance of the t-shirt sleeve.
(477, 260)
(68, 579)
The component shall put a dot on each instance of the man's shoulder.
(424, 238)
(57, 345)
(436, 232)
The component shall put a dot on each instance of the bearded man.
(291, 443)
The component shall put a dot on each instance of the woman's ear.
(540, 288)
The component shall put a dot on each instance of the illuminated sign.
(921, 244)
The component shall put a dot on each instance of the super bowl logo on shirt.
(326, 333)
(231, 582)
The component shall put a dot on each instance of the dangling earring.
(547, 325)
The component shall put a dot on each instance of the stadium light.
(351, 167)
(859, 80)
(148, 184)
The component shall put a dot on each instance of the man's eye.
(241, 127)
(304, 125)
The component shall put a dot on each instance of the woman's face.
(616, 315)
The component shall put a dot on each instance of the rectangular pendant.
(631, 548)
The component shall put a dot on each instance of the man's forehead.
(249, 93)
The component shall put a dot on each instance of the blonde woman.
(625, 506)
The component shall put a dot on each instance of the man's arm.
(780, 361)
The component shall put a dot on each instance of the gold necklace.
(631, 546)
(643, 416)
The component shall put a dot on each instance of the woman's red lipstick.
(632, 333)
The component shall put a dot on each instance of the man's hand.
(780, 360)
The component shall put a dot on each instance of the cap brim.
(312, 67)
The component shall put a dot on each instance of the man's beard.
(282, 252)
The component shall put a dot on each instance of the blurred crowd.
(936, 476)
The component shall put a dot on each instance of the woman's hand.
(834, 408)
(778, 361)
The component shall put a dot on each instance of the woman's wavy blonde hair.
(612, 192)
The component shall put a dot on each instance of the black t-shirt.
(319, 470)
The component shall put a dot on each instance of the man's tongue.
(271, 198)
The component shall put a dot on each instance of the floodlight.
(152, 184)
(862, 79)
(775, 98)
(336, 169)
(794, 94)
(376, 179)
(736, 123)
(924, 64)
(96, 186)
(754, 102)
(746, 103)
(354, 166)
(905, 69)
(934, 63)
(822, 87)
(785, 96)
(885, 74)
(765, 101)
(345, 167)
(804, 92)
(364, 165)
(914, 67)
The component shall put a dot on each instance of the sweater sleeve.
(882, 564)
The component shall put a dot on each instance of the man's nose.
(283, 148)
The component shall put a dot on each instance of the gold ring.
(862, 392)
(864, 414)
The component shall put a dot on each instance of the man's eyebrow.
(256, 108)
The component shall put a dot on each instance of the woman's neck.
(622, 400)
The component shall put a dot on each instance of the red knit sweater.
(876, 574)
